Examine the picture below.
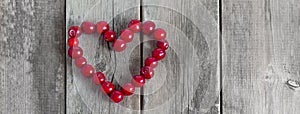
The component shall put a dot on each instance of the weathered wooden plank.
(83, 96)
(260, 54)
(32, 70)
(186, 81)
(127, 63)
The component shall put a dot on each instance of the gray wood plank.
(127, 63)
(187, 80)
(260, 54)
(32, 70)
(83, 96)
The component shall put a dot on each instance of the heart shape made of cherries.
(126, 36)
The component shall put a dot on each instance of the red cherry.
(158, 53)
(147, 72)
(80, 62)
(128, 89)
(151, 61)
(102, 27)
(74, 31)
(73, 42)
(159, 34)
(163, 44)
(134, 25)
(88, 27)
(138, 81)
(119, 45)
(148, 27)
(127, 35)
(98, 78)
(75, 52)
(87, 70)
(109, 36)
(116, 96)
(107, 87)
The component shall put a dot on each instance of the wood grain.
(83, 95)
(32, 69)
(186, 81)
(260, 54)
(260, 57)
(127, 62)
(191, 82)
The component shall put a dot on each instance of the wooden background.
(227, 56)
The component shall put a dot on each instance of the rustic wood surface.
(261, 57)
(186, 81)
(249, 47)
(32, 57)
(84, 96)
